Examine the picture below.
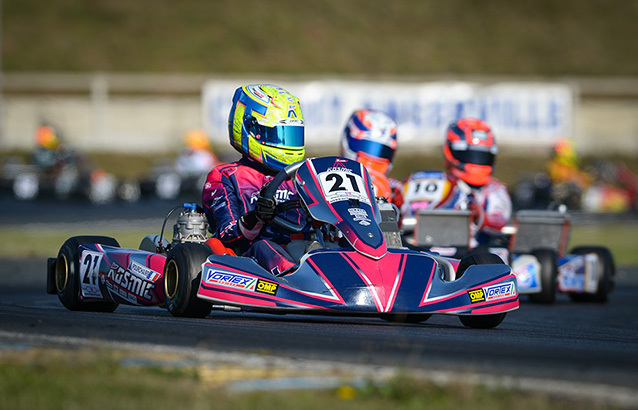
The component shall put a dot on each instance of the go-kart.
(69, 179)
(534, 246)
(365, 273)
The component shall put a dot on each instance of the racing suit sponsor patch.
(230, 280)
(269, 288)
(476, 295)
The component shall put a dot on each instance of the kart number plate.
(342, 186)
(90, 273)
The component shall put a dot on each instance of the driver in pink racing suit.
(469, 153)
(266, 126)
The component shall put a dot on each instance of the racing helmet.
(470, 151)
(565, 153)
(46, 137)
(370, 137)
(266, 124)
(197, 140)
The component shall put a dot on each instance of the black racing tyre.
(406, 318)
(480, 321)
(67, 271)
(548, 260)
(182, 275)
(605, 281)
(478, 258)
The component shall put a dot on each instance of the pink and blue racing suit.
(490, 204)
(231, 190)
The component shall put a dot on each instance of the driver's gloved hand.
(265, 209)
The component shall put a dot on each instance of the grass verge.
(97, 378)
(618, 237)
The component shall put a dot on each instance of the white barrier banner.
(519, 113)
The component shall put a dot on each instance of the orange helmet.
(564, 152)
(46, 137)
(197, 140)
(470, 150)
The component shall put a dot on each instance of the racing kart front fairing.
(363, 278)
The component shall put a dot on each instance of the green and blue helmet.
(266, 124)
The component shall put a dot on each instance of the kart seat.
(218, 247)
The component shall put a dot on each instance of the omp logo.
(231, 280)
(499, 291)
(476, 295)
(266, 287)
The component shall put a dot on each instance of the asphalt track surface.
(591, 345)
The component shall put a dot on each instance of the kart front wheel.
(480, 321)
(67, 275)
(406, 318)
(182, 275)
(605, 277)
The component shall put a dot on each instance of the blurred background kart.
(534, 245)
(186, 174)
(605, 186)
(55, 171)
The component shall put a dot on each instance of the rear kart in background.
(68, 180)
(534, 246)
(167, 183)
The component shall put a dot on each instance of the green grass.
(618, 237)
(51, 379)
(373, 37)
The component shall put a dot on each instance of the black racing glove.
(265, 209)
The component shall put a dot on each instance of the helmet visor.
(473, 156)
(371, 148)
(290, 136)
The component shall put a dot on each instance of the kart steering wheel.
(270, 191)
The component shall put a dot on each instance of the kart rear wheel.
(548, 260)
(67, 275)
(406, 318)
(182, 275)
(605, 281)
(480, 321)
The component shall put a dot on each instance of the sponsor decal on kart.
(143, 271)
(499, 291)
(360, 215)
(476, 295)
(341, 184)
(128, 283)
(493, 292)
(526, 276)
(90, 274)
(570, 275)
(264, 286)
(230, 280)
(239, 281)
